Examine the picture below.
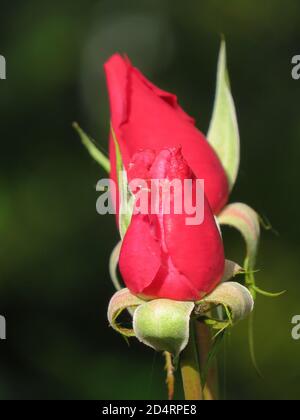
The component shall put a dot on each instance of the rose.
(162, 256)
(146, 117)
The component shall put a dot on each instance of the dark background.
(54, 249)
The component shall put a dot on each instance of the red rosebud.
(162, 256)
(146, 117)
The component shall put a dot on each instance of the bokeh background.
(54, 250)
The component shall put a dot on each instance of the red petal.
(196, 251)
(140, 257)
(117, 73)
(145, 117)
(162, 256)
(171, 285)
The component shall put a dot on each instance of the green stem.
(190, 369)
(204, 344)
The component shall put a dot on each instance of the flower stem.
(170, 381)
(190, 369)
(204, 344)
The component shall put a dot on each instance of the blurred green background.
(54, 283)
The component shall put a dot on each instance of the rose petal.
(140, 257)
(145, 117)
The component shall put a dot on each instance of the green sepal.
(122, 300)
(92, 149)
(268, 294)
(233, 297)
(223, 133)
(243, 218)
(231, 270)
(127, 199)
(113, 265)
(163, 324)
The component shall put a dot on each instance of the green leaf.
(163, 324)
(121, 301)
(223, 133)
(127, 199)
(94, 152)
